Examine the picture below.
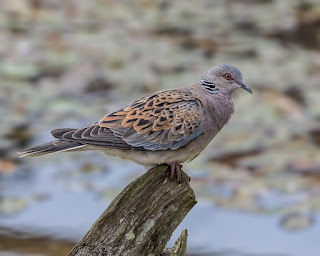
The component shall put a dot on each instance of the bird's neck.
(221, 109)
(219, 106)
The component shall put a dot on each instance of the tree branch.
(141, 219)
(180, 246)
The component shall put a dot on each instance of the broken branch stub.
(141, 219)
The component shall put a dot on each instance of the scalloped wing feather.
(166, 120)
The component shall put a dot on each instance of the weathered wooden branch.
(180, 246)
(141, 219)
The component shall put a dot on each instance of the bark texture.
(141, 219)
(180, 248)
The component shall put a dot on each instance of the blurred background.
(68, 63)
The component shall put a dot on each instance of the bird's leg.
(178, 171)
(175, 169)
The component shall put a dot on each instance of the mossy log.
(141, 219)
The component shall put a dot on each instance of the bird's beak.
(243, 86)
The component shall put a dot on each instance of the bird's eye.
(227, 76)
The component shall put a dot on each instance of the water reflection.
(27, 244)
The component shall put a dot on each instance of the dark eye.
(227, 76)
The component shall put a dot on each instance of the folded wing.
(166, 120)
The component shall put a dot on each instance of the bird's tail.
(50, 147)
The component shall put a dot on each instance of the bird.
(170, 126)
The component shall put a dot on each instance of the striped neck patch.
(209, 86)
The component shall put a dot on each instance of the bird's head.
(224, 78)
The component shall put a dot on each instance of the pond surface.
(57, 204)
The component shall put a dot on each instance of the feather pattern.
(209, 86)
(51, 147)
(166, 120)
(93, 135)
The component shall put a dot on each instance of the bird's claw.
(175, 171)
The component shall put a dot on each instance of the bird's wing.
(93, 135)
(165, 120)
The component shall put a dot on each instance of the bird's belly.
(150, 158)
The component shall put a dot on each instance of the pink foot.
(175, 169)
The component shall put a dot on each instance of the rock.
(307, 29)
(7, 166)
(232, 157)
(98, 84)
(18, 71)
(295, 92)
(9, 206)
(296, 221)
(314, 135)
(206, 43)
(307, 167)
(20, 134)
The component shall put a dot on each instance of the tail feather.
(50, 147)
(58, 133)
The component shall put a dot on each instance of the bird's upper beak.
(243, 86)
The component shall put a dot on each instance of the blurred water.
(213, 229)
(63, 204)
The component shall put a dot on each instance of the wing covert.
(166, 120)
